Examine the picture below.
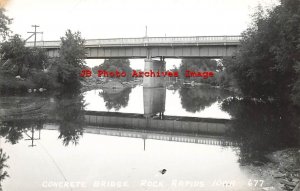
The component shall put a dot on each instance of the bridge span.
(151, 47)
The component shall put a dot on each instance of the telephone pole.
(34, 34)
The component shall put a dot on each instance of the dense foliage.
(265, 66)
(113, 65)
(221, 77)
(71, 60)
(261, 126)
(22, 67)
(4, 22)
(21, 60)
(3, 165)
(115, 100)
(30, 68)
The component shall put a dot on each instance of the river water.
(65, 153)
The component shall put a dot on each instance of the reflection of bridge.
(152, 126)
(148, 125)
(187, 125)
(154, 135)
(171, 128)
(153, 47)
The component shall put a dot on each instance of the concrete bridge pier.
(155, 66)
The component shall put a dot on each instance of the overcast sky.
(128, 18)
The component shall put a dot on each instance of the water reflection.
(13, 131)
(170, 101)
(3, 172)
(66, 110)
(257, 127)
(69, 112)
(196, 99)
(261, 127)
(115, 99)
(154, 101)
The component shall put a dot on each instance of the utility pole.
(34, 34)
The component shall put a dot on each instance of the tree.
(14, 50)
(197, 65)
(259, 127)
(71, 60)
(3, 165)
(21, 60)
(116, 100)
(264, 66)
(296, 87)
(70, 112)
(198, 98)
(4, 22)
(112, 65)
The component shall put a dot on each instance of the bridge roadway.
(151, 47)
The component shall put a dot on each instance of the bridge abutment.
(155, 66)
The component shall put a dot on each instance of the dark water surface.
(51, 146)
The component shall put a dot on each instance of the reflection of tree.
(22, 113)
(116, 100)
(262, 127)
(197, 98)
(3, 173)
(70, 113)
(12, 131)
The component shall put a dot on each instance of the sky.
(128, 18)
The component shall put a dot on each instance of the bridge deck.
(149, 41)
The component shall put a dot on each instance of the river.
(54, 149)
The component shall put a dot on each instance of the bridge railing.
(145, 41)
(44, 44)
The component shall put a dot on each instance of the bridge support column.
(154, 66)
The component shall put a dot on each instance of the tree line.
(267, 63)
(23, 68)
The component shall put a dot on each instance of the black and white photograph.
(150, 95)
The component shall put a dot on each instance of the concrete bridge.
(152, 47)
